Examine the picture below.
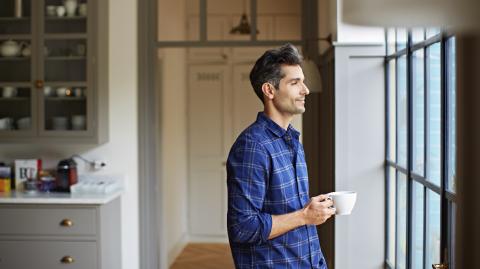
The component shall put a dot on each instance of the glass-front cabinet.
(53, 59)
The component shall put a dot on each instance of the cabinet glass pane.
(65, 16)
(434, 113)
(65, 60)
(402, 102)
(432, 254)
(65, 108)
(451, 90)
(401, 247)
(418, 113)
(15, 108)
(15, 17)
(417, 225)
(391, 200)
(392, 111)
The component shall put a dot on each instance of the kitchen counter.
(57, 198)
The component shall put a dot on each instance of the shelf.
(70, 98)
(14, 19)
(66, 83)
(65, 18)
(65, 58)
(7, 99)
(65, 36)
(13, 58)
(16, 37)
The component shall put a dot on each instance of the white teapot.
(10, 48)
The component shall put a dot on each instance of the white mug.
(51, 10)
(343, 201)
(61, 92)
(23, 123)
(9, 92)
(47, 91)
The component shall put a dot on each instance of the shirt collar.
(275, 128)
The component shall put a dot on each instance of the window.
(420, 157)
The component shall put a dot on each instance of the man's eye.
(294, 83)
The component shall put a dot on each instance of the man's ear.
(268, 90)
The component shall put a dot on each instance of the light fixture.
(459, 14)
(312, 75)
(243, 27)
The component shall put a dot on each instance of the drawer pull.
(66, 223)
(67, 260)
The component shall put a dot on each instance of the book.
(26, 170)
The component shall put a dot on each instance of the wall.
(347, 33)
(172, 74)
(360, 154)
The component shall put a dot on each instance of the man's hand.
(318, 210)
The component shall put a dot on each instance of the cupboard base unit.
(75, 236)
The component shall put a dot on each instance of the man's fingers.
(321, 197)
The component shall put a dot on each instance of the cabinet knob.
(67, 260)
(39, 84)
(66, 223)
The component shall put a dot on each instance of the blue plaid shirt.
(267, 175)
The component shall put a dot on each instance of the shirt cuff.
(266, 226)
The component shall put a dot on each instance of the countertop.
(56, 198)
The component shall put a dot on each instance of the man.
(271, 219)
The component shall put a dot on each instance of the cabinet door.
(16, 68)
(65, 101)
(207, 149)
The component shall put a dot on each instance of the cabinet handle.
(66, 223)
(39, 84)
(67, 260)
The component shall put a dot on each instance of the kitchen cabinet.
(53, 71)
(58, 233)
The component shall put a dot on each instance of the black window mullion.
(410, 129)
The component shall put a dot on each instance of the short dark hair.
(268, 69)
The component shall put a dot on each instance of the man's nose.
(306, 91)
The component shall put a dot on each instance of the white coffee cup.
(82, 9)
(343, 201)
(47, 91)
(9, 92)
(78, 122)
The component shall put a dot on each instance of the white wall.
(348, 33)
(360, 154)
(121, 151)
(172, 83)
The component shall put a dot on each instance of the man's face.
(290, 96)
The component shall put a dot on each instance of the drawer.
(47, 221)
(48, 254)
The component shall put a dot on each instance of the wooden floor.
(204, 256)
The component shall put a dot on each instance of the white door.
(207, 149)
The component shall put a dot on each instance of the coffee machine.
(66, 175)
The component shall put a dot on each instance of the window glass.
(418, 113)
(418, 35)
(402, 37)
(417, 225)
(391, 41)
(451, 89)
(432, 254)
(392, 112)
(401, 247)
(431, 32)
(402, 115)
(434, 114)
(391, 200)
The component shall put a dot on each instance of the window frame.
(447, 197)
